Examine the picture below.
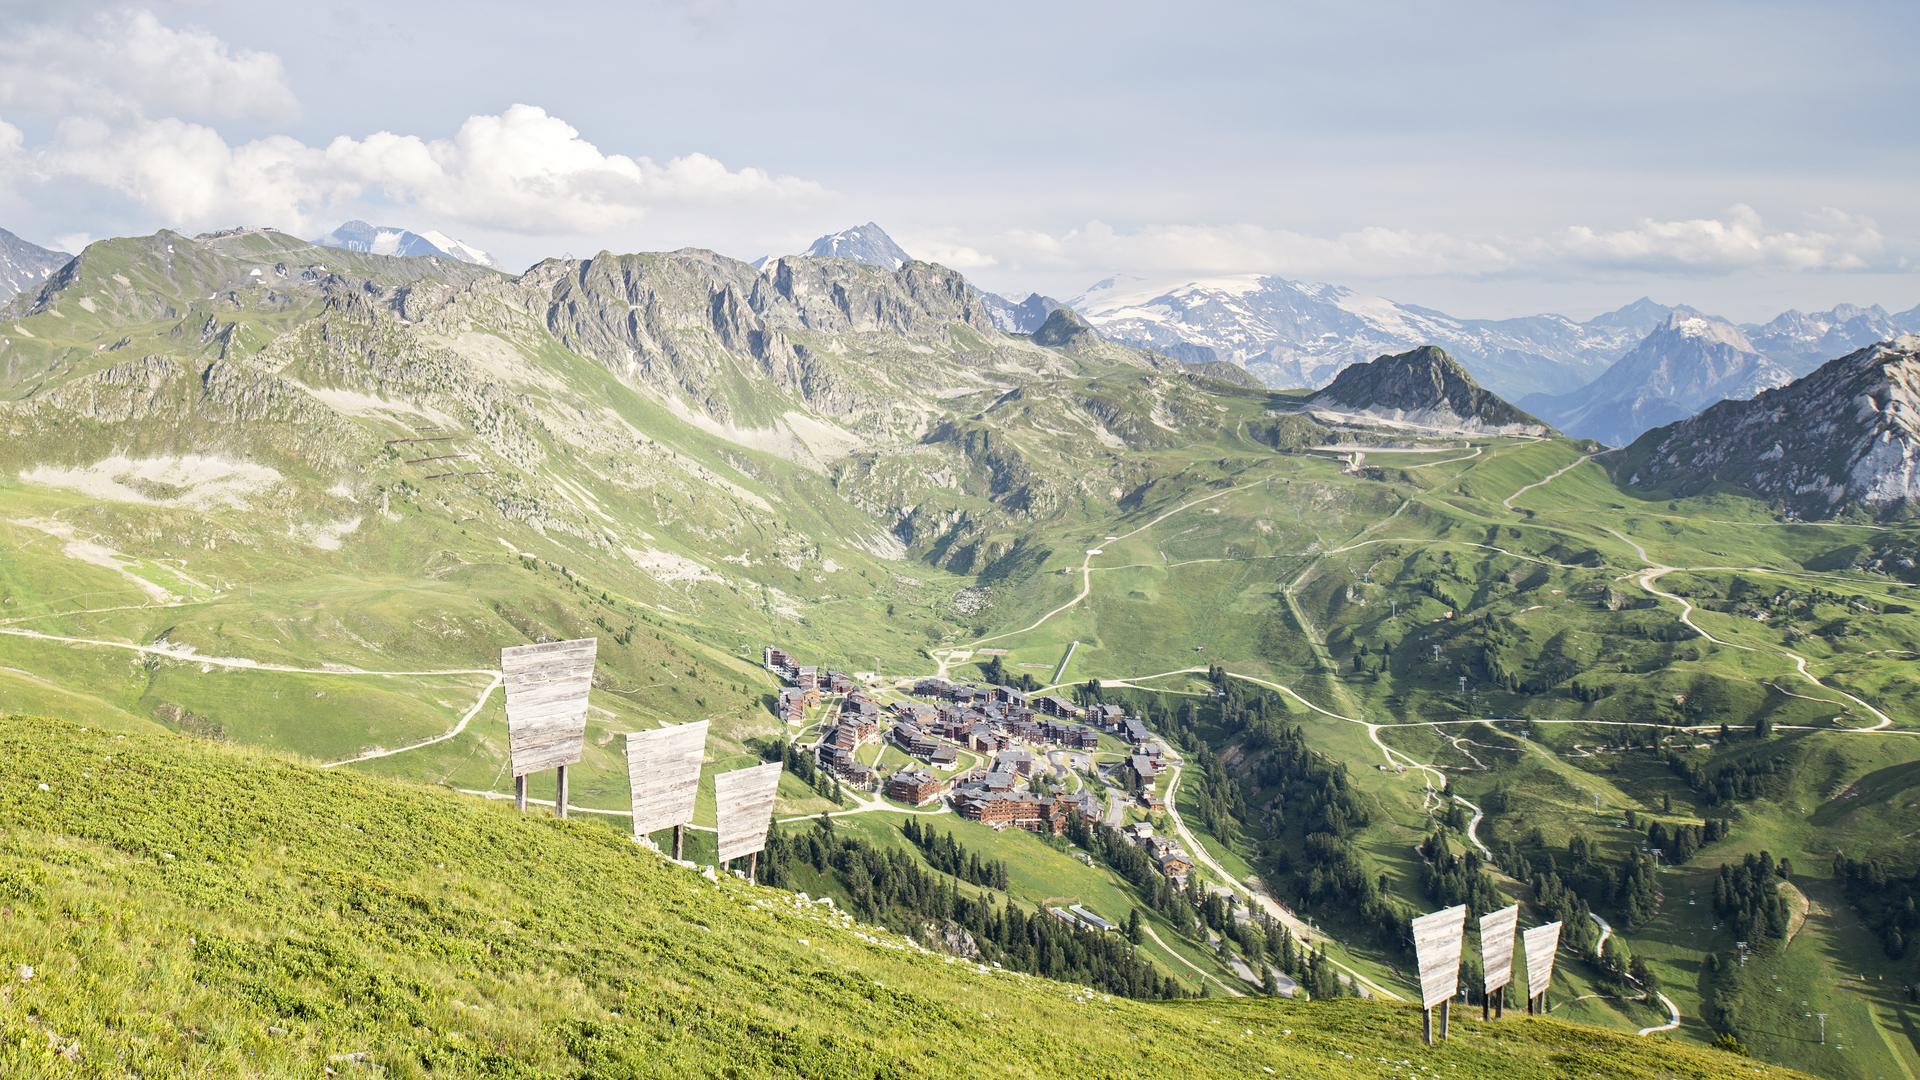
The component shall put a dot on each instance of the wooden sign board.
(1437, 941)
(743, 802)
(663, 769)
(1496, 946)
(547, 702)
(1541, 943)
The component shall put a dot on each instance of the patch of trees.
(1677, 843)
(1636, 891)
(1884, 900)
(803, 766)
(1457, 879)
(1551, 894)
(1749, 897)
(1719, 783)
(890, 888)
(945, 854)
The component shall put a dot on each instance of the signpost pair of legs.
(559, 796)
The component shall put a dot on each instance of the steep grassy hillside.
(174, 908)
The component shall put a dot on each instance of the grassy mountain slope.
(190, 910)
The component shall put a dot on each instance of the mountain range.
(1609, 377)
(25, 266)
(1292, 333)
(390, 240)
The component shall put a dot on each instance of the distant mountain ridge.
(1803, 341)
(390, 240)
(1424, 388)
(1294, 333)
(1688, 363)
(1846, 435)
(24, 266)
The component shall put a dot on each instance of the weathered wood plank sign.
(1541, 944)
(663, 770)
(743, 801)
(1437, 942)
(1497, 930)
(547, 688)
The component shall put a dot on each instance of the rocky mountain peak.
(1423, 387)
(867, 244)
(1694, 325)
(1846, 435)
(1062, 327)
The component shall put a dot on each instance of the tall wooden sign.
(547, 709)
(743, 803)
(1437, 942)
(1541, 944)
(1497, 930)
(663, 770)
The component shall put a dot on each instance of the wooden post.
(1426, 1025)
(560, 794)
(1446, 1009)
(1500, 1004)
(1486, 1007)
(753, 868)
(520, 793)
(679, 842)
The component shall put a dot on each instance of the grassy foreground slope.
(186, 908)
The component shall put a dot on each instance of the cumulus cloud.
(527, 171)
(1739, 240)
(132, 104)
(126, 62)
(520, 171)
(1832, 240)
(940, 247)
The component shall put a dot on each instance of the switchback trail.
(1550, 478)
(371, 755)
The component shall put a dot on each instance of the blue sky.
(1488, 159)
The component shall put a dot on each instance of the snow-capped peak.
(867, 244)
(390, 240)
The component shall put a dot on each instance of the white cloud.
(131, 103)
(1739, 240)
(527, 171)
(940, 247)
(520, 171)
(125, 62)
